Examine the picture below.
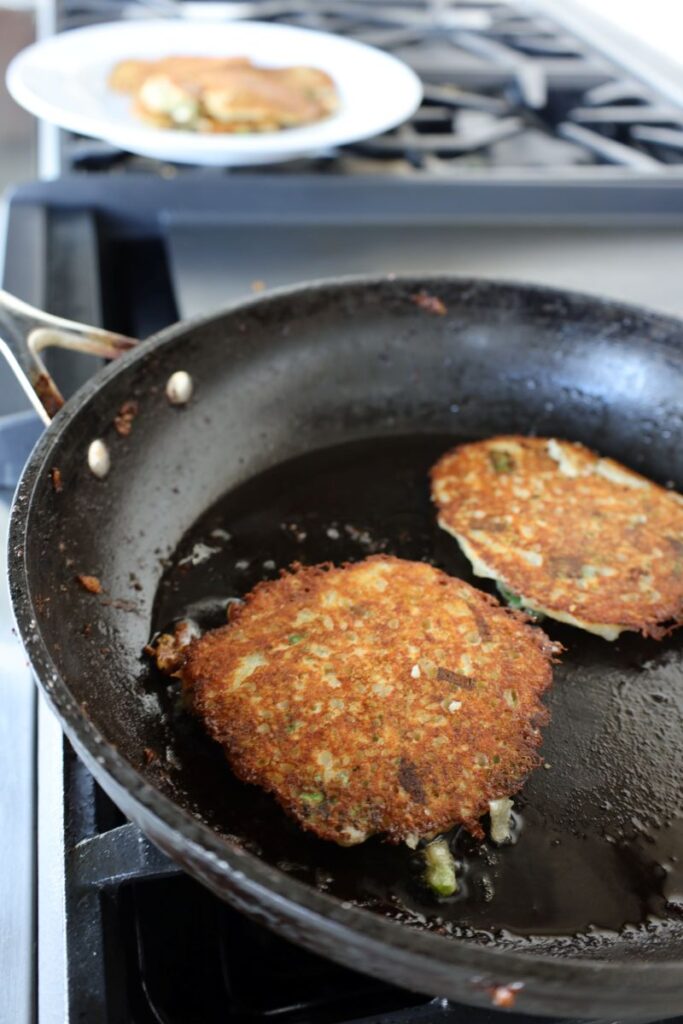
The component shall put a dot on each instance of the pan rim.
(248, 874)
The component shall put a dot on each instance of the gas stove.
(507, 88)
(532, 157)
(122, 934)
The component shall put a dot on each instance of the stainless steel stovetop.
(508, 88)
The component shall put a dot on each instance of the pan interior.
(381, 384)
(597, 862)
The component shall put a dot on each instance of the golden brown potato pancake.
(574, 536)
(379, 697)
(214, 94)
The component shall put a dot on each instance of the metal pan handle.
(25, 332)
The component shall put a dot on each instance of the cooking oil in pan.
(598, 847)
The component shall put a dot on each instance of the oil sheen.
(598, 838)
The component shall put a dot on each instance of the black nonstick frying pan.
(315, 415)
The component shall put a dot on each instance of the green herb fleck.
(509, 596)
(295, 638)
(312, 798)
(502, 462)
(515, 601)
(440, 868)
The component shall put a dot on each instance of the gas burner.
(547, 102)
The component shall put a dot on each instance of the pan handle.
(25, 332)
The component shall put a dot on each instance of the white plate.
(64, 80)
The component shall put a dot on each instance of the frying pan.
(315, 415)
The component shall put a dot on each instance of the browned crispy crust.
(391, 699)
(128, 75)
(611, 550)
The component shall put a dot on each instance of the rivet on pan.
(179, 388)
(99, 461)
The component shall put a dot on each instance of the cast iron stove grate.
(505, 88)
(148, 944)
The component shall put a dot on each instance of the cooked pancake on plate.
(380, 697)
(566, 533)
(215, 94)
(129, 75)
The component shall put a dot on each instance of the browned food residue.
(505, 996)
(123, 421)
(56, 477)
(429, 303)
(134, 582)
(90, 583)
(50, 398)
(168, 649)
